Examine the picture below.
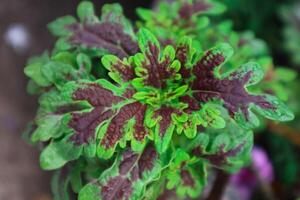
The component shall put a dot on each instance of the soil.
(20, 175)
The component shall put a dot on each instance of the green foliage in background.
(291, 31)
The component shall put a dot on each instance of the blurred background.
(23, 33)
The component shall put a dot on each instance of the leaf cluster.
(127, 112)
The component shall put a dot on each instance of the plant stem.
(219, 186)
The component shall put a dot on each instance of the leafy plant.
(127, 112)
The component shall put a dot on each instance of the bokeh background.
(23, 33)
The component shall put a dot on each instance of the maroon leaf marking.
(128, 161)
(157, 72)
(166, 42)
(146, 162)
(140, 131)
(188, 10)
(126, 71)
(207, 86)
(108, 36)
(205, 66)
(68, 108)
(168, 195)
(129, 93)
(231, 90)
(181, 55)
(117, 188)
(135, 164)
(85, 124)
(219, 158)
(187, 178)
(193, 104)
(115, 129)
(166, 120)
(96, 95)
(134, 174)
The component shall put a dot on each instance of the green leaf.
(33, 70)
(121, 71)
(105, 112)
(228, 148)
(186, 177)
(60, 185)
(211, 84)
(145, 37)
(84, 62)
(48, 127)
(210, 116)
(89, 192)
(171, 21)
(112, 34)
(85, 11)
(279, 111)
(75, 175)
(58, 69)
(58, 153)
(58, 27)
(128, 177)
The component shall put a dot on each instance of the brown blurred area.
(20, 175)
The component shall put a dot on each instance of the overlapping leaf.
(208, 83)
(80, 113)
(228, 148)
(155, 76)
(58, 69)
(113, 117)
(153, 91)
(186, 177)
(192, 8)
(170, 21)
(128, 177)
(157, 97)
(111, 34)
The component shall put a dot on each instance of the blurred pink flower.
(242, 184)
